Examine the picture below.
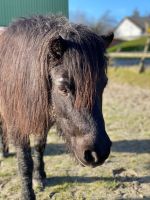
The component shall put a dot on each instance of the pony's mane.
(24, 84)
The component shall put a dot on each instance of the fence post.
(142, 64)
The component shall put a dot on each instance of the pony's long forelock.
(85, 61)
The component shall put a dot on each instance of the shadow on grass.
(52, 181)
(131, 146)
(55, 149)
(58, 180)
(145, 198)
(9, 155)
(144, 179)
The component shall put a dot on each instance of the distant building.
(12, 9)
(131, 27)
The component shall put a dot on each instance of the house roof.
(139, 21)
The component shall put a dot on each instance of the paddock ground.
(125, 175)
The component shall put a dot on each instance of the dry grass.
(130, 75)
(126, 174)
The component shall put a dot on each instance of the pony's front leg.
(3, 144)
(39, 171)
(25, 165)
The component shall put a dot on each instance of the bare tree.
(103, 25)
(136, 13)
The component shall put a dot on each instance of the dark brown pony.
(53, 71)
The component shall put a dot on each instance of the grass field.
(131, 76)
(133, 45)
(125, 175)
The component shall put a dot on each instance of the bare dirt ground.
(125, 175)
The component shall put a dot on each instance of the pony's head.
(78, 77)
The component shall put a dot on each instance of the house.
(132, 27)
(12, 9)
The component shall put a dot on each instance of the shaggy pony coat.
(25, 64)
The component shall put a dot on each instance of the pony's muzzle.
(89, 154)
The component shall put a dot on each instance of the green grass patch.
(134, 45)
(5, 174)
(130, 76)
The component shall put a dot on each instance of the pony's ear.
(107, 39)
(57, 47)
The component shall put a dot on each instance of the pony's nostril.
(90, 156)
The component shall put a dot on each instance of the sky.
(118, 9)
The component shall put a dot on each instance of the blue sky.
(117, 8)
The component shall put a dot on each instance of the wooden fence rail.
(129, 55)
(142, 55)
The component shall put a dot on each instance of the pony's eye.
(63, 90)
